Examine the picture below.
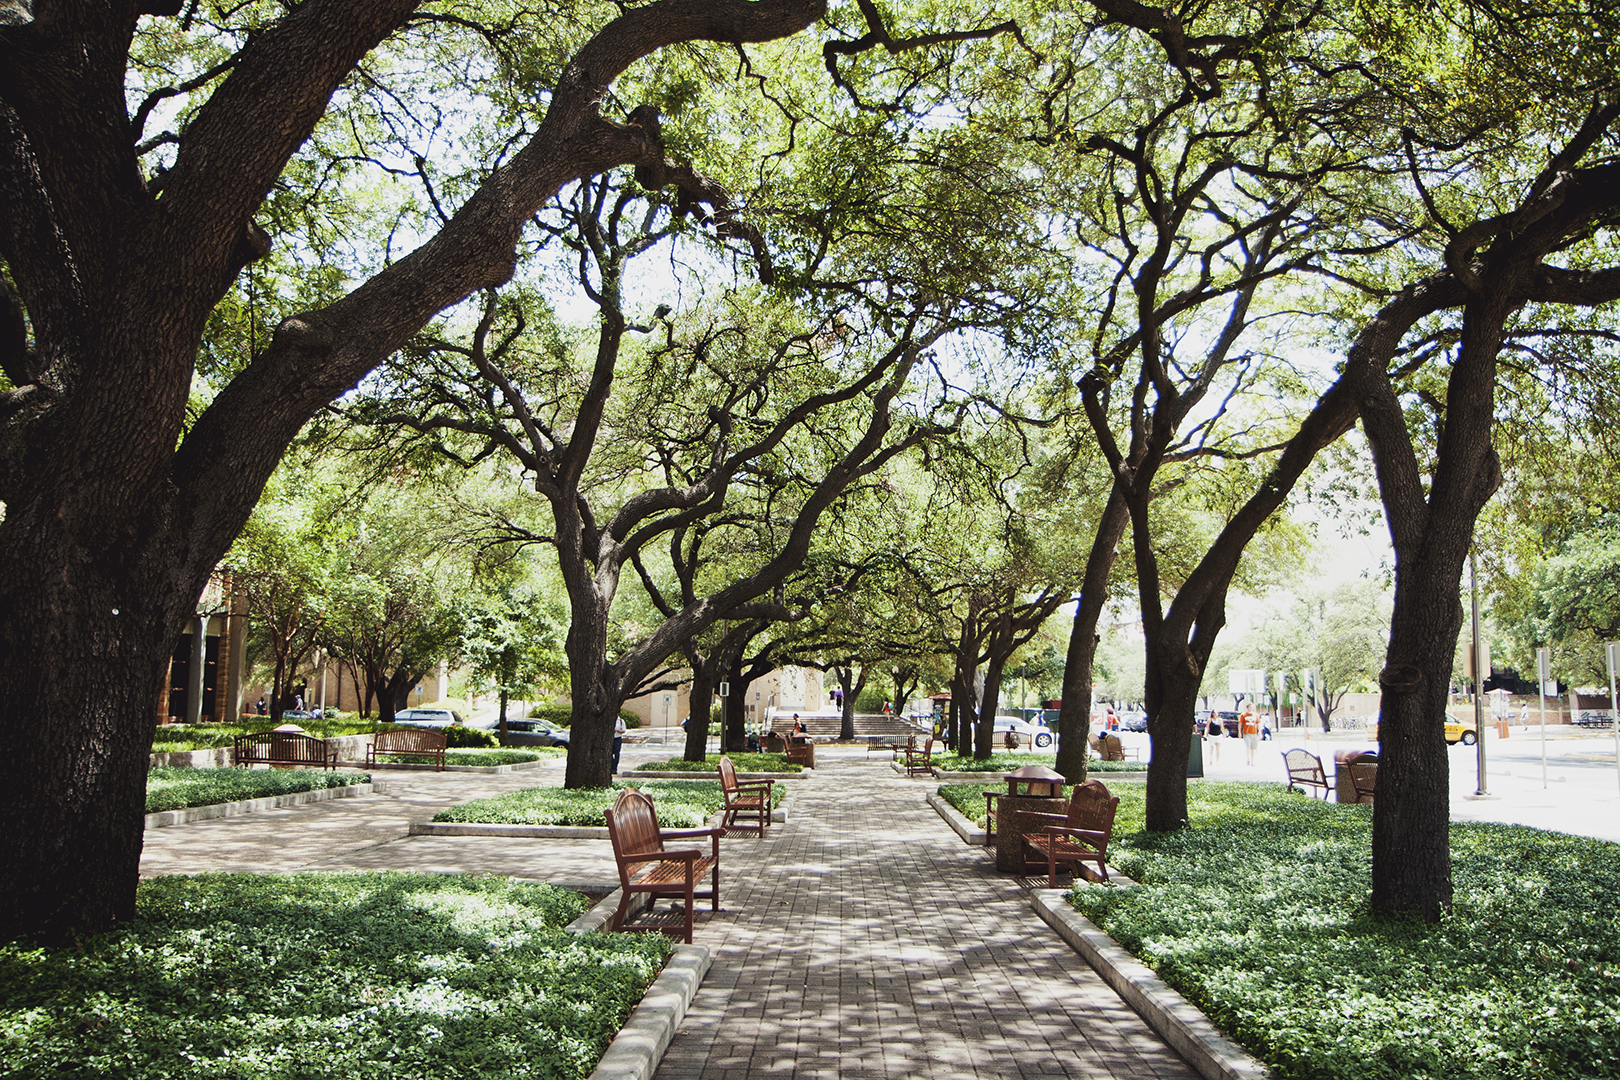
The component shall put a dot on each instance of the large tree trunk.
(1411, 820)
(852, 685)
(79, 716)
(595, 698)
(700, 705)
(1074, 716)
(1171, 697)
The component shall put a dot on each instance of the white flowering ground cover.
(1259, 914)
(319, 976)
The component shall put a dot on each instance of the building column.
(236, 642)
(199, 654)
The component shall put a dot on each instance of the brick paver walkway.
(864, 939)
(861, 939)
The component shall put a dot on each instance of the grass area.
(306, 977)
(741, 762)
(177, 789)
(1009, 762)
(1259, 915)
(680, 804)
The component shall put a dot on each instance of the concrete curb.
(250, 806)
(657, 774)
(596, 918)
(1172, 1016)
(957, 820)
(639, 1046)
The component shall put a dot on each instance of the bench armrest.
(1060, 818)
(676, 834)
(748, 785)
(677, 854)
(1098, 838)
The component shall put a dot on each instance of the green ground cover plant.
(314, 976)
(479, 756)
(1009, 762)
(741, 762)
(179, 789)
(1258, 913)
(680, 804)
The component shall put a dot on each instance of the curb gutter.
(1172, 1016)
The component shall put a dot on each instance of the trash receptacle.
(1343, 790)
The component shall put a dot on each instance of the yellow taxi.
(1456, 731)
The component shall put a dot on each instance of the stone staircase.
(867, 726)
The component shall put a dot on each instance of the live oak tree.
(119, 239)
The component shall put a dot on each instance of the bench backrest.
(1091, 807)
(1364, 777)
(633, 828)
(728, 775)
(1304, 766)
(1112, 748)
(406, 740)
(284, 746)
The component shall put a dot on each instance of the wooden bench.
(282, 748)
(749, 797)
(1080, 836)
(772, 743)
(408, 742)
(1364, 778)
(1305, 771)
(920, 762)
(801, 752)
(637, 840)
(1109, 748)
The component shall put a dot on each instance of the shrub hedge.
(309, 977)
(1009, 762)
(680, 804)
(742, 763)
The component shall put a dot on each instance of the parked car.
(1595, 718)
(1037, 733)
(534, 733)
(428, 718)
(1456, 732)
(1133, 721)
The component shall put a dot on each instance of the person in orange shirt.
(1249, 728)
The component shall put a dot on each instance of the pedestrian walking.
(618, 742)
(1213, 734)
(1249, 728)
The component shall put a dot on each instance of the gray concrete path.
(860, 939)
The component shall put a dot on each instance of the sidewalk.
(860, 939)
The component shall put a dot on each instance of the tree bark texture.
(1074, 716)
(113, 520)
